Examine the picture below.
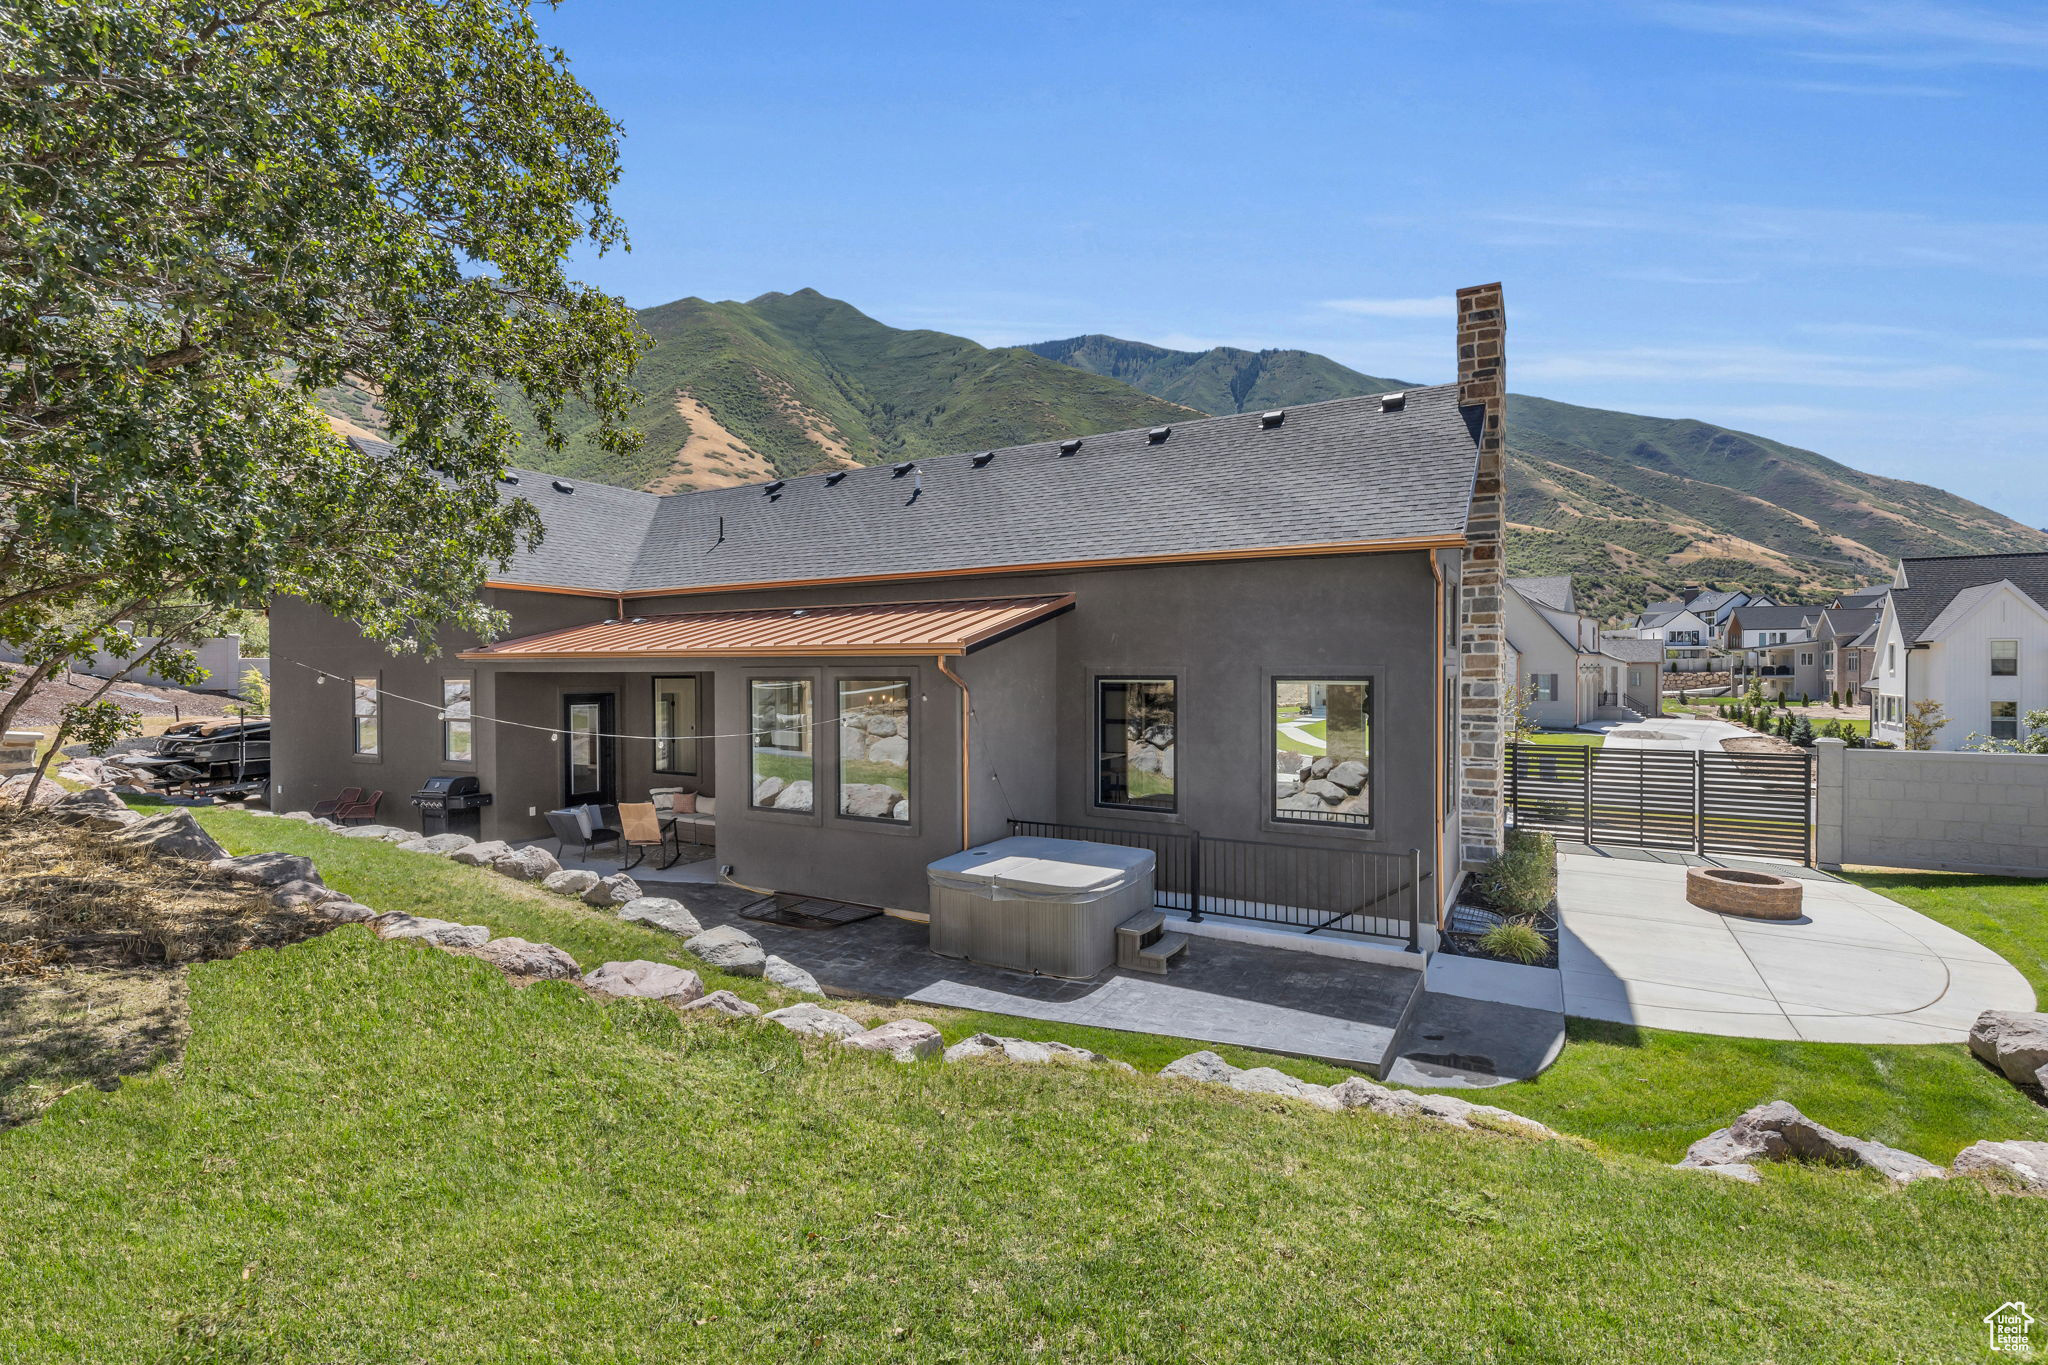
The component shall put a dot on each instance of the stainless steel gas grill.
(451, 805)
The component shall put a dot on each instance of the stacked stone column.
(1482, 630)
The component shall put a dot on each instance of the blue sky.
(1820, 220)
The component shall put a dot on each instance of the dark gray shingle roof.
(1631, 650)
(1931, 584)
(1773, 618)
(1333, 473)
(1554, 591)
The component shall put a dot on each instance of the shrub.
(1523, 879)
(1517, 940)
(1802, 733)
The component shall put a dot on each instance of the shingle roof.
(1631, 650)
(1872, 596)
(1335, 474)
(1932, 583)
(1554, 592)
(1849, 621)
(1773, 618)
(1710, 601)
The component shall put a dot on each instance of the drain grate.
(806, 912)
(1470, 919)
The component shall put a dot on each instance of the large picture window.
(458, 727)
(675, 726)
(874, 749)
(1323, 736)
(367, 708)
(784, 771)
(1136, 723)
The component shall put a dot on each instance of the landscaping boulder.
(1350, 775)
(483, 854)
(766, 790)
(95, 808)
(724, 1002)
(345, 911)
(176, 835)
(517, 957)
(617, 889)
(647, 981)
(285, 895)
(795, 796)
(1210, 1069)
(2019, 1165)
(1324, 790)
(528, 864)
(729, 949)
(373, 832)
(790, 977)
(815, 1021)
(1026, 1051)
(867, 800)
(906, 1040)
(2014, 1041)
(305, 815)
(569, 882)
(15, 788)
(267, 869)
(662, 913)
(441, 845)
(333, 826)
(1778, 1132)
(396, 924)
(1359, 1093)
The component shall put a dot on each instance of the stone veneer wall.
(1941, 812)
(1482, 629)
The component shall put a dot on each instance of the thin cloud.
(1442, 306)
(1896, 33)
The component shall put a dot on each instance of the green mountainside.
(1637, 507)
(737, 392)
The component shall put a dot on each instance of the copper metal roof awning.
(862, 630)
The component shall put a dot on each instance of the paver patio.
(1858, 968)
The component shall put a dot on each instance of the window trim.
(1271, 818)
(355, 733)
(809, 677)
(911, 701)
(1096, 682)
(2014, 672)
(695, 740)
(469, 721)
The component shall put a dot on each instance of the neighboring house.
(869, 669)
(1775, 646)
(1556, 652)
(1634, 668)
(1844, 663)
(1689, 626)
(1969, 632)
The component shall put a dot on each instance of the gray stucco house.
(865, 670)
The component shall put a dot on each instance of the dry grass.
(94, 938)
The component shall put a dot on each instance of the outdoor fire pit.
(1753, 895)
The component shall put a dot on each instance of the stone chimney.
(1482, 628)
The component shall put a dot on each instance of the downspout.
(966, 736)
(1437, 760)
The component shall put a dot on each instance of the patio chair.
(358, 812)
(579, 825)
(641, 829)
(349, 796)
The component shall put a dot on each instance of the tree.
(209, 213)
(255, 691)
(1521, 713)
(1802, 733)
(1922, 723)
(2032, 740)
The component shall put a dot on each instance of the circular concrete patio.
(1856, 968)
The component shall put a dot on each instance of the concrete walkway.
(1686, 733)
(1858, 968)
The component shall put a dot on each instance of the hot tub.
(1049, 906)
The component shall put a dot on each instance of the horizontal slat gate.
(1759, 805)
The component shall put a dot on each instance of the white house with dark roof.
(1776, 647)
(1969, 632)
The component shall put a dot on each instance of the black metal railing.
(1316, 888)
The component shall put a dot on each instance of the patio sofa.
(697, 825)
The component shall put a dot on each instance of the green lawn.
(1575, 738)
(373, 1152)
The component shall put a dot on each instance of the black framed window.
(784, 766)
(675, 725)
(458, 726)
(1323, 734)
(1137, 722)
(874, 748)
(367, 707)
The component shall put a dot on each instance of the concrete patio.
(1858, 968)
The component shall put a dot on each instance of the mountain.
(738, 392)
(1636, 507)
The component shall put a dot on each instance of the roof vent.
(1393, 402)
(772, 489)
(832, 480)
(1070, 446)
(801, 611)
(564, 486)
(508, 477)
(900, 470)
(1272, 419)
(639, 620)
(981, 460)
(1158, 434)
